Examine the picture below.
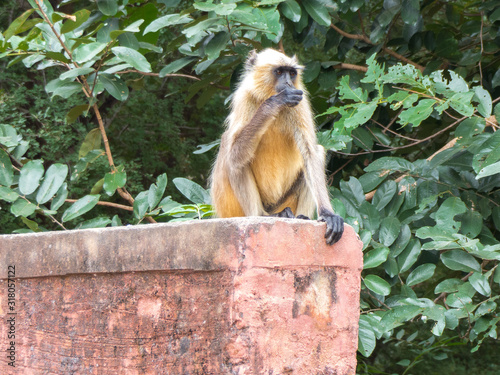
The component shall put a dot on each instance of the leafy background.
(100, 100)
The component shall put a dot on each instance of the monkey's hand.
(289, 97)
(334, 226)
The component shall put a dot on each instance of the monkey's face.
(285, 77)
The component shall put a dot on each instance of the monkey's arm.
(244, 142)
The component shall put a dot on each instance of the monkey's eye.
(293, 73)
(279, 72)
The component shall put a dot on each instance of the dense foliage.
(406, 92)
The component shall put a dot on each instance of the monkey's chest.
(277, 165)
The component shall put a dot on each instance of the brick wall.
(233, 296)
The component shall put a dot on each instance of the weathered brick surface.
(237, 296)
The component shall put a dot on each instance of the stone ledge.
(196, 245)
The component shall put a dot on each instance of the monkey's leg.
(245, 188)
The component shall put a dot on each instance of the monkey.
(269, 162)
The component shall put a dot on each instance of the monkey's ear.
(251, 59)
(295, 62)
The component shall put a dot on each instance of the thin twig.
(109, 204)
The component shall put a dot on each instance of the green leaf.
(384, 194)
(8, 136)
(222, 9)
(91, 142)
(6, 171)
(363, 114)
(31, 224)
(347, 92)
(483, 97)
(371, 180)
(63, 88)
(60, 197)
(114, 180)
(485, 308)
(30, 176)
(73, 73)
(86, 52)
(402, 241)
(116, 221)
(115, 86)
(366, 337)
(141, 204)
(134, 58)
(80, 207)
(317, 11)
(191, 190)
(8, 195)
(459, 260)
(70, 25)
(353, 190)
(448, 286)
(375, 257)
(410, 11)
(201, 149)
(370, 215)
(447, 211)
(291, 10)
(409, 255)
(415, 115)
(389, 230)
(420, 274)
(377, 285)
(156, 191)
(22, 207)
(108, 7)
(75, 112)
(98, 222)
(168, 20)
(176, 65)
(217, 44)
(460, 102)
(489, 170)
(480, 283)
(15, 26)
(472, 223)
(390, 164)
(458, 300)
(54, 178)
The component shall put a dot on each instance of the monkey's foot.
(286, 213)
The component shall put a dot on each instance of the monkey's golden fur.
(280, 165)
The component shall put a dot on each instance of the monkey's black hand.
(334, 226)
(289, 97)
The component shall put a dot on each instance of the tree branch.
(350, 67)
(88, 93)
(367, 40)
(109, 204)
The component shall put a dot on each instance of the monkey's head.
(270, 72)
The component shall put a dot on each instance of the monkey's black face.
(287, 94)
(285, 77)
